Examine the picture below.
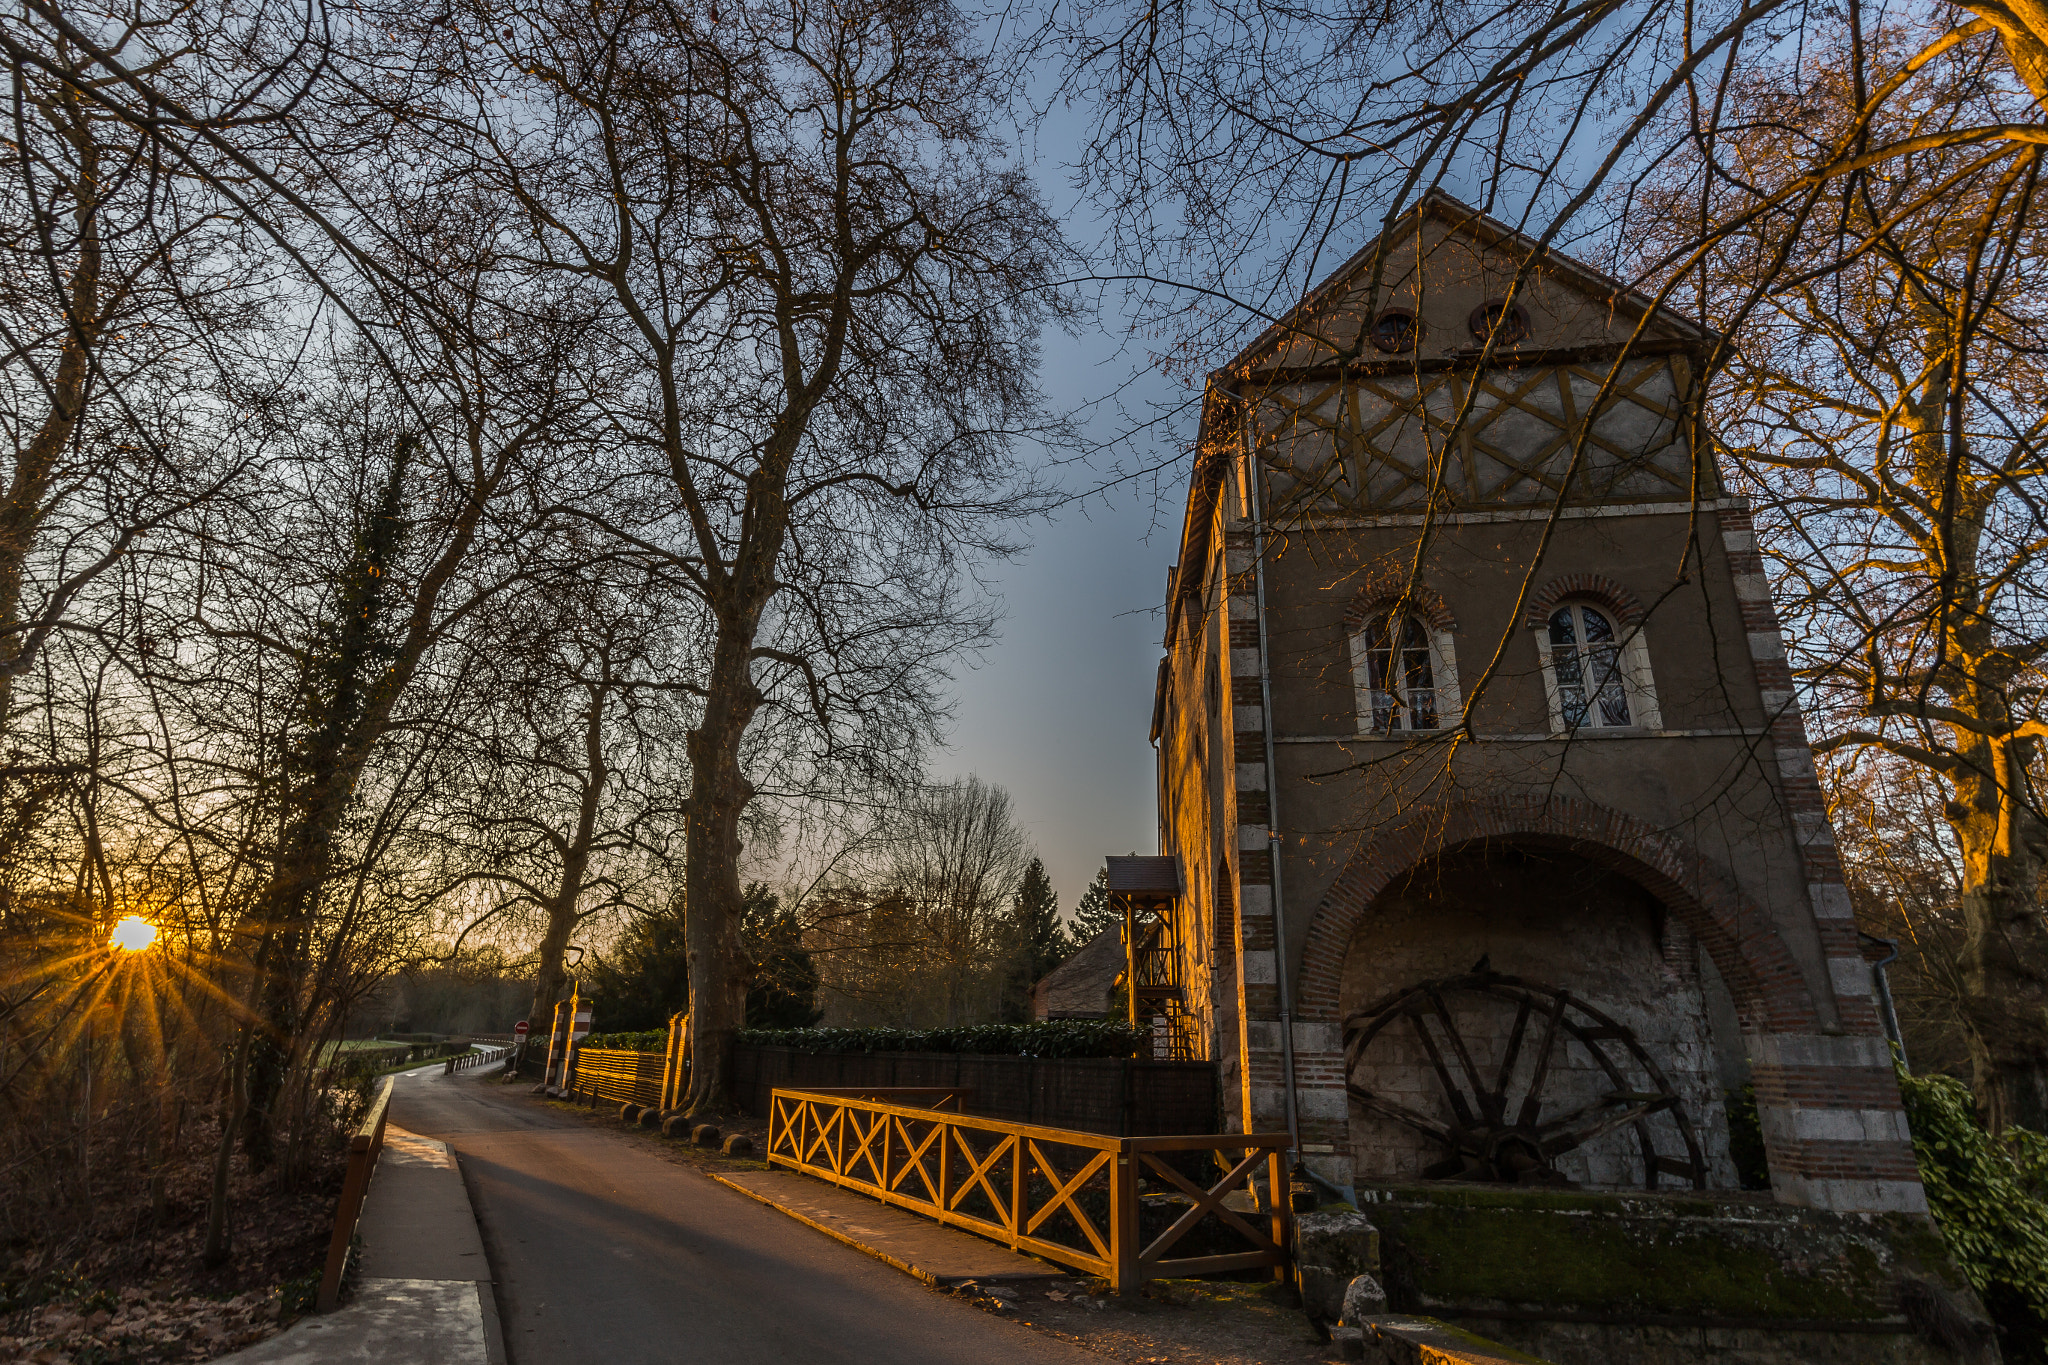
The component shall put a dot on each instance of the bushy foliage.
(1990, 1198)
(643, 1040)
(1052, 1038)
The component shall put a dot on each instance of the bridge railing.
(1070, 1197)
(479, 1057)
(364, 1146)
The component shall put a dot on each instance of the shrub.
(649, 1040)
(1990, 1198)
(1052, 1038)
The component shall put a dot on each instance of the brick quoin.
(1759, 969)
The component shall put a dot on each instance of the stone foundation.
(1582, 1278)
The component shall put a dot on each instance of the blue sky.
(1058, 710)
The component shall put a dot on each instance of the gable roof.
(1488, 231)
(1465, 221)
(1080, 987)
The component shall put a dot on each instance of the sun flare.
(133, 934)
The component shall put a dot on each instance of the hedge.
(652, 1040)
(1052, 1038)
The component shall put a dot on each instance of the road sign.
(519, 1029)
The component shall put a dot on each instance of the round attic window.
(1396, 330)
(1507, 323)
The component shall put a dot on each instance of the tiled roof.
(1157, 876)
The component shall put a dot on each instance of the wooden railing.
(1070, 1197)
(363, 1149)
(475, 1057)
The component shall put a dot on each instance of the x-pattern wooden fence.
(1020, 1184)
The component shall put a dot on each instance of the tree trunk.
(719, 792)
(219, 1235)
(551, 978)
(286, 913)
(22, 506)
(2005, 948)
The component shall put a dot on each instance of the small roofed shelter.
(1146, 891)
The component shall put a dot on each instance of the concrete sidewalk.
(423, 1291)
(918, 1246)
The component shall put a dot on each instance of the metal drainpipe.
(1252, 481)
(1884, 994)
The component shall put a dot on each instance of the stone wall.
(1587, 1279)
(1552, 918)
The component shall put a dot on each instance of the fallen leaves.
(143, 1328)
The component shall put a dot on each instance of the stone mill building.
(1499, 848)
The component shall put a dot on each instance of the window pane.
(1596, 626)
(1571, 701)
(1379, 675)
(1561, 626)
(1564, 660)
(1421, 688)
(1606, 667)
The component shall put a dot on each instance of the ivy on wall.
(1990, 1198)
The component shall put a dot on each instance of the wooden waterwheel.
(1488, 1135)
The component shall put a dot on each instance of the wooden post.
(1016, 1189)
(1283, 1207)
(1124, 1232)
(579, 1029)
(1130, 959)
(676, 1061)
(557, 1032)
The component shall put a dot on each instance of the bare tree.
(1883, 401)
(960, 858)
(129, 298)
(824, 289)
(571, 795)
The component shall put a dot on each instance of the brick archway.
(1770, 993)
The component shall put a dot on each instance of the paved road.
(608, 1255)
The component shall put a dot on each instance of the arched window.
(1597, 678)
(1404, 673)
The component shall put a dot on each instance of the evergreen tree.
(646, 978)
(782, 990)
(1093, 913)
(1038, 941)
(1038, 921)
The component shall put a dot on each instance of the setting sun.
(133, 934)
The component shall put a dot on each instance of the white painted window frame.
(1443, 663)
(1638, 685)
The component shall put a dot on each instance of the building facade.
(1501, 847)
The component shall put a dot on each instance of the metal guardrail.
(1007, 1181)
(363, 1150)
(466, 1060)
